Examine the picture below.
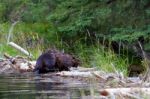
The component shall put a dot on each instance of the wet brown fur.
(54, 60)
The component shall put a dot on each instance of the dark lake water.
(29, 86)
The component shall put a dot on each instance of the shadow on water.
(29, 86)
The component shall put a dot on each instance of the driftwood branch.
(10, 31)
(20, 49)
(13, 44)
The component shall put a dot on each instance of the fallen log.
(75, 73)
(99, 75)
(86, 74)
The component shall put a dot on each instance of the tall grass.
(32, 37)
(25, 35)
(108, 61)
(100, 57)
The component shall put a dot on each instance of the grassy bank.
(37, 37)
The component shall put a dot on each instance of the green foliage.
(2, 11)
(76, 26)
(118, 20)
(71, 19)
(74, 17)
(35, 12)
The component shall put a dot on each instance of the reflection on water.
(30, 86)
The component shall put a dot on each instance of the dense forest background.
(102, 33)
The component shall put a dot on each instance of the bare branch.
(20, 49)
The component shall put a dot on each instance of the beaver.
(54, 60)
